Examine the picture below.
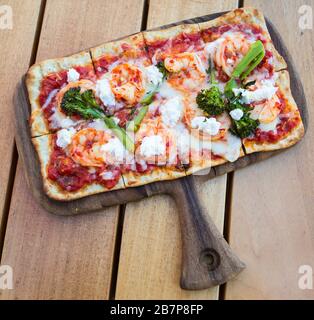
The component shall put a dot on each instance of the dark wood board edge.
(93, 203)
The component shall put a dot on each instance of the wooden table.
(266, 211)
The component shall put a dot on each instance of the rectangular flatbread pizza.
(160, 105)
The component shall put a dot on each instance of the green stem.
(120, 133)
(134, 124)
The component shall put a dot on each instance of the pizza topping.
(236, 114)
(271, 126)
(266, 91)
(104, 92)
(59, 120)
(209, 125)
(113, 151)
(85, 105)
(107, 175)
(73, 75)
(229, 149)
(171, 111)
(211, 101)
(154, 75)
(64, 137)
(127, 83)
(152, 146)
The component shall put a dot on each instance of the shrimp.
(187, 71)
(152, 128)
(85, 147)
(230, 52)
(127, 83)
(267, 111)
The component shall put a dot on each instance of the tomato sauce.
(71, 176)
(180, 43)
(57, 80)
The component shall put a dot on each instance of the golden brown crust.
(135, 179)
(128, 47)
(253, 16)
(295, 135)
(43, 146)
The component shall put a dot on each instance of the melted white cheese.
(64, 137)
(59, 120)
(208, 125)
(107, 175)
(236, 114)
(229, 149)
(153, 74)
(115, 149)
(104, 92)
(73, 75)
(167, 92)
(152, 146)
(271, 126)
(171, 111)
(266, 91)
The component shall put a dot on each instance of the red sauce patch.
(71, 176)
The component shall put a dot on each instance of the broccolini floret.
(211, 101)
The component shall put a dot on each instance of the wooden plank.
(150, 256)
(271, 225)
(16, 47)
(66, 257)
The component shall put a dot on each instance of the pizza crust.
(293, 137)
(134, 179)
(248, 15)
(43, 147)
(134, 43)
(34, 76)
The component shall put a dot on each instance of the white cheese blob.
(167, 92)
(104, 92)
(271, 126)
(59, 120)
(211, 47)
(171, 111)
(98, 124)
(266, 91)
(236, 114)
(230, 149)
(107, 175)
(208, 125)
(73, 75)
(113, 151)
(64, 137)
(152, 146)
(153, 75)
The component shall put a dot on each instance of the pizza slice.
(271, 104)
(82, 160)
(48, 82)
(229, 37)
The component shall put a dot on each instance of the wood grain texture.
(272, 226)
(150, 256)
(16, 47)
(66, 257)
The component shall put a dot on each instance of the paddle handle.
(207, 259)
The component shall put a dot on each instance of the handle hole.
(210, 258)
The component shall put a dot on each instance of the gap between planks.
(15, 156)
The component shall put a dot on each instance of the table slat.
(15, 46)
(272, 225)
(150, 258)
(66, 257)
